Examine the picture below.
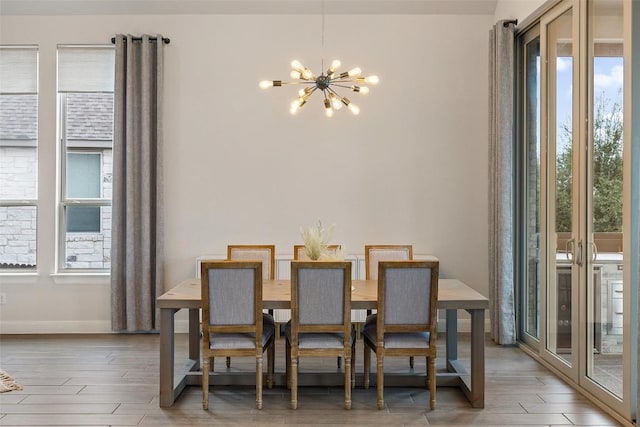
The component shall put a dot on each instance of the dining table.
(453, 295)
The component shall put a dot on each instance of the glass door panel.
(532, 172)
(604, 187)
(560, 198)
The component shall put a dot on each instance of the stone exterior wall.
(18, 224)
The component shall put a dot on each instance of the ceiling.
(253, 7)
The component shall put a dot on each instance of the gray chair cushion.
(232, 341)
(319, 340)
(395, 340)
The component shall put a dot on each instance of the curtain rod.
(166, 40)
(511, 21)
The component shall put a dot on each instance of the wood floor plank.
(112, 380)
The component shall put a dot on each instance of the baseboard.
(56, 327)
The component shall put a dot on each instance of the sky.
(607, 82)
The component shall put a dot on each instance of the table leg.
(477, 358)
(194, 337)
(452, 335)
(167, 355)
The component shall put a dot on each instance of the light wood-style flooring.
(112, 380)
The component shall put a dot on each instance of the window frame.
(26, 202)
(64, 147)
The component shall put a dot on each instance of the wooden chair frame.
(293, 351)
(270, 276)
(271, 248)
(369, 248)
(431, 327)
(368, 267)
(256, 327)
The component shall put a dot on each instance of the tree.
(606, 169)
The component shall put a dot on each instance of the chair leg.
(287, 363)
(347, 381)
(205, 383)
(431, 372)
(228, 362)
(339, 361)
(271, 355)
(367, 365)
(380, 379)
(211, 360)
(294, 382)
(353, 366)
(411, 362)
(259, 382)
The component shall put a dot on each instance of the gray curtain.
(501, 178)
(137, 234)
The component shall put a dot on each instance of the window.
(85, 93)
(18, 157)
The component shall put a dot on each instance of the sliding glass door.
(572, 158)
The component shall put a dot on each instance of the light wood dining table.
(453, 295)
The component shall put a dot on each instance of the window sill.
(81, 278)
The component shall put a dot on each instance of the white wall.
(412, 168)
(516, 9)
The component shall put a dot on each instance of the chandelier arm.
(343, 79)
(334, 92)
(298, 83)
(344, 86)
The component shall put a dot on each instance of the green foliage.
(606, 169)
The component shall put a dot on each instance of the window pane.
(85, 91)
(83, 219)
(18, 156)
(17, 237)
(83, 176)
(88, 249)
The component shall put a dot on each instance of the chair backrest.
(231, 297)
(320, 296)
(264, 253)
(300, 252)
(373, 254)
(407, 296)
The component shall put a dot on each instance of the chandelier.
(327, 83)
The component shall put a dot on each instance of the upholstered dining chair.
(373, 254)
(300, 254)
(320, 322)
(406, 320)
(233, 323)
(264, 253)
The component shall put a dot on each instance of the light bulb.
(296, 65)
(354, 109)
(372, 80)
(361, 89)
(335, 102)
(333, 67)
(307, 74)
(305, 91)
(328, 111)
(355, 71)
(265, 84)
(294, 74)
